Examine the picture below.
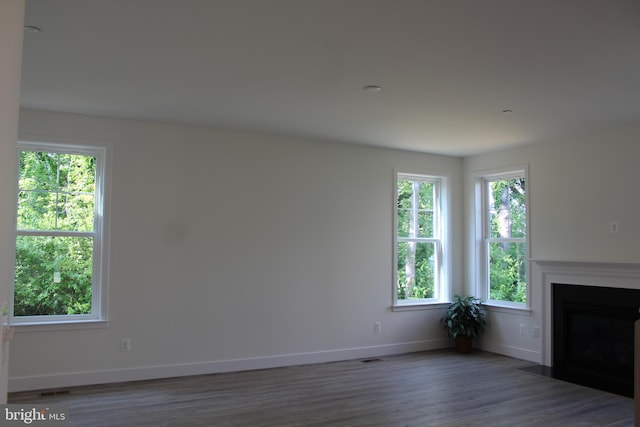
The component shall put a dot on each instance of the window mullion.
(419, 240)
(506, 239)
(55, 233)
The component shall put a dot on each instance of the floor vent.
(371, 360)
(55, 393)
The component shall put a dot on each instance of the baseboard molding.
(511, 351)
(72, 379)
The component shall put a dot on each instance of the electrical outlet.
(536, 331)
(377, 327)
(125, 344)
(523, 329)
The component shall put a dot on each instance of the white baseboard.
(71, 379)
(511, 351)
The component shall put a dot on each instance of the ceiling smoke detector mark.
(371, 88)
(32, 29)
(507, 111)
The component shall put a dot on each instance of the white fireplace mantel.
(586, 273)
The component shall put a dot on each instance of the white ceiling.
(448, 68)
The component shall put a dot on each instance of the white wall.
(233, 251)
(11, 33)
(576, 187)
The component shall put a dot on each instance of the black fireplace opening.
(593, 336)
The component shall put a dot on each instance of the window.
(60, 234)
(418, 239)
(504, 229)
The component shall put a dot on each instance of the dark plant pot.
(463, 344)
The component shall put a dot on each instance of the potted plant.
(463, 321)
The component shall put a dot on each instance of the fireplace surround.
(602, 297)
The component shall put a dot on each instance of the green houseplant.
(463, 321)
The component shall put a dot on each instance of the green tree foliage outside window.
(416, 242)
(55, 226)
(507, 239)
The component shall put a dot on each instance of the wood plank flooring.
(438, 388)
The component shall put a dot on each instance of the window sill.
(420, 306)
(59, 326)
(507, 309)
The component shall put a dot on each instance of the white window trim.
(104, 154)
(442, 220)
(481, 224)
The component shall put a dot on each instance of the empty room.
(258, 212)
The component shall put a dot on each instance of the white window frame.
(99, 302)
(482, 226)
(441, 264)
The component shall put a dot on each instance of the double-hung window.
(60, 270)
(418, 240)
(504, 240)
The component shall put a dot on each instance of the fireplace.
(593, 335)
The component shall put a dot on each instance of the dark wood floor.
(437, 388)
